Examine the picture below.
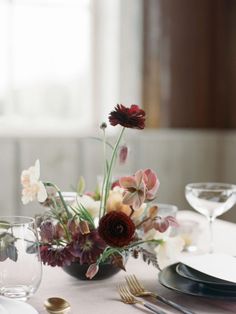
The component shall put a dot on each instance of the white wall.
(178, 156)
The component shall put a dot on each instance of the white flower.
(89, 203)
(168, 252)
(33, 188)
(156, 235)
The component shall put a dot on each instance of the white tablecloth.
(101, 297)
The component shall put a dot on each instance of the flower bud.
(92, 271)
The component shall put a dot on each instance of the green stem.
(142, 242)
(61, 222)
(109, 250)
(61, 197)
(108, 177)
(104, 176)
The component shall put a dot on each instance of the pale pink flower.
(115, 203)
(92, 271)
(33, 188)
(139, 188)
(152, 184)
(161, 224)
(135, 194)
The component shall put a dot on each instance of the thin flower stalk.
(108, 177)
(102, 205)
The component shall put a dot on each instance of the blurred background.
(64, 64)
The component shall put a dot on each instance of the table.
(101, 297)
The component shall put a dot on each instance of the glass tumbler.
(20, 263)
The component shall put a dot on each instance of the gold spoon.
(56, 305)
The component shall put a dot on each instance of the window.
(45, 61)
(65, 63)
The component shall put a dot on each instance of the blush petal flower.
(161, 224)
(135, 189)
(33, 188)
(152, 184)
(115, 203)
(132, 117)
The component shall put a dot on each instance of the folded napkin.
(217, 265)
(10, 306)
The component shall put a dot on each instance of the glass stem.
(211, 245)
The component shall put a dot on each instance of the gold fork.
(137, 289)
(128, 298)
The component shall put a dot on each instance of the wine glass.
(20, 263)
(211, 200)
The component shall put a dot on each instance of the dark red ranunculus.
(132, 117)
(116, 229)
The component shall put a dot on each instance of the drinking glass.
(211, 200)
(20, 263)
(167, 210)
(189, 230)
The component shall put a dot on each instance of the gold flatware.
(56, 305)
(137, 289)
(128, 298)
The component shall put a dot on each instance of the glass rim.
(12, 219)
(165, 205)
(200, 186)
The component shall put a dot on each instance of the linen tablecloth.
(101, 297)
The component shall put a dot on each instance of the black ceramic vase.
(77, 270)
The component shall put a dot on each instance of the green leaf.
(85, 215)
(81, 186)
(4, 224)
(97, 195)
(32, 248)
(8, 239)
(3, 254)
(12, 252)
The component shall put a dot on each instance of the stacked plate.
(211, 276)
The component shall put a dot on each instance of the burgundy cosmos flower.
(116, 229)
(132, 117)
(56, 256)
(87, 247)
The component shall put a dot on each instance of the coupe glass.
(20, 263)
(211, 200)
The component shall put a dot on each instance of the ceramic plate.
(15, 307)
(218, 265)
(169, 278)
(192, 274)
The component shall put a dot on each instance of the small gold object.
(128, 298)
(138, 290)
(57, 305)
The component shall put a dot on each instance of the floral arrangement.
(115, 220)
